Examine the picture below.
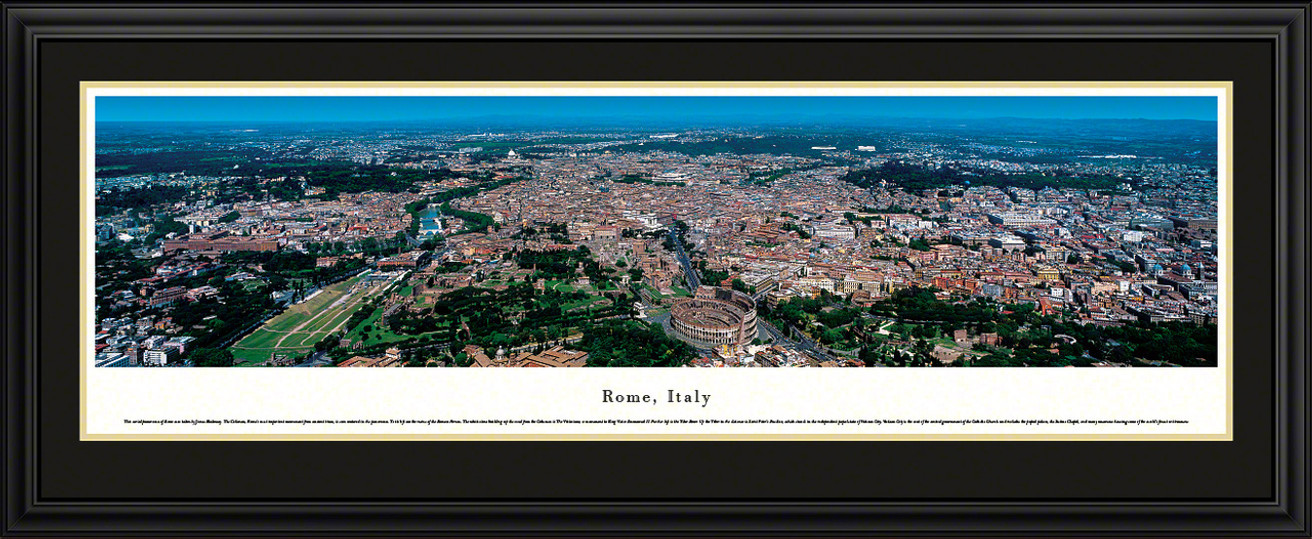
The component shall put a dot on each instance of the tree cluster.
(626, 343)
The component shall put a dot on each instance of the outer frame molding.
(28, 24)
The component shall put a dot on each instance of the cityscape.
(656, 232)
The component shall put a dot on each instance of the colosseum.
(714, 317)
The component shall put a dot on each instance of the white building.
(830, 231)
(159, 356)
(815, 283)
(1019, 219)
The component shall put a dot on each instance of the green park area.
(905, 328)
(297, 329)
(370, 332)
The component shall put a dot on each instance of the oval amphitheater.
(715, 317)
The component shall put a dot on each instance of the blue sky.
(643, 109)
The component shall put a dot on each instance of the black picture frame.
(31, 28)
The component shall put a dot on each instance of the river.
(430, 222)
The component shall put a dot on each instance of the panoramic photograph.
(656, 231)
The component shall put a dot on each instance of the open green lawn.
(250, 358)
(301, 326)
(299, 313)
(559, 286)
(322, 328)
(261, 338)
(944, 341)
(678, 292)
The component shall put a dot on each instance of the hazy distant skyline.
(643, 109)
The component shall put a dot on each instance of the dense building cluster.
(636, 226)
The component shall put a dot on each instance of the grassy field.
(302, 325)
(677, 292)
(559, 286)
